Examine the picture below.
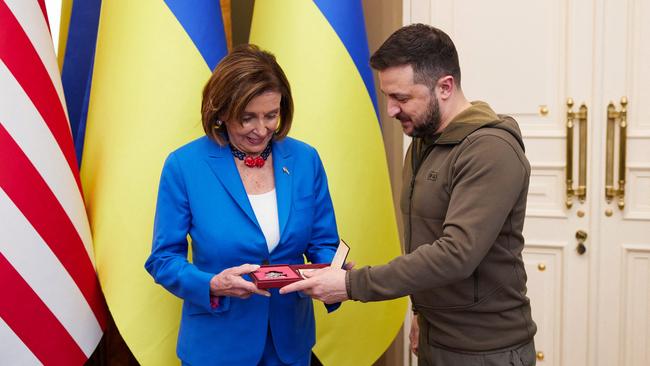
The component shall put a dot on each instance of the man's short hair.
(429, 51)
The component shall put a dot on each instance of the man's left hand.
(326, 285)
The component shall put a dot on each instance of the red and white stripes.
(51, 308)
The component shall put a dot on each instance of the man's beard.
(430, 121)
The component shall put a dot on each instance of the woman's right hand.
(230, 283)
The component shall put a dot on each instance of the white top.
(265, 206)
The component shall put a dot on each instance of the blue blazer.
(201, 194)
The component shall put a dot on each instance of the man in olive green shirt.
(463, 203)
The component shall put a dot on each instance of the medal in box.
(280, 275)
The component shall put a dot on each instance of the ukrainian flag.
(322, 47)
(150, 64)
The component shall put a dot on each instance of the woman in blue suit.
(246, 195)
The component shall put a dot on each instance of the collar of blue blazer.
(223, 166)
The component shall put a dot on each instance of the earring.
(218, 123)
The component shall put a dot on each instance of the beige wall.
(382, 19)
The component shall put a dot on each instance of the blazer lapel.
(223, 166)
(283, 172)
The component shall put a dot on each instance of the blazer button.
(265, 262)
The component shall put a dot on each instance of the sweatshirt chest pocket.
(430, 196)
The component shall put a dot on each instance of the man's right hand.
(414, 335)
(325, 284)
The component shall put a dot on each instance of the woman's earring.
(218, 123)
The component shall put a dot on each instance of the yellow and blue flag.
(147, 72)
(323, 49)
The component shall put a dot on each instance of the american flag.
(52, 311)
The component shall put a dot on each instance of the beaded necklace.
(252, 161)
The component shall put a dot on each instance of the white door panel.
(623, 323)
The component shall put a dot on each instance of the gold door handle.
(581, 237)
(610, 190)
(581, 116)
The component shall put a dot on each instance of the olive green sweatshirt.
(463, 204)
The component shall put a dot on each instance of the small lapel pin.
(285, 170)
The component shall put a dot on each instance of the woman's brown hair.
(246, 72)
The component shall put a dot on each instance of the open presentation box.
(280, 275)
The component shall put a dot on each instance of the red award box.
(280, 275)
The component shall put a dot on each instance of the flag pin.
(285, 170)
